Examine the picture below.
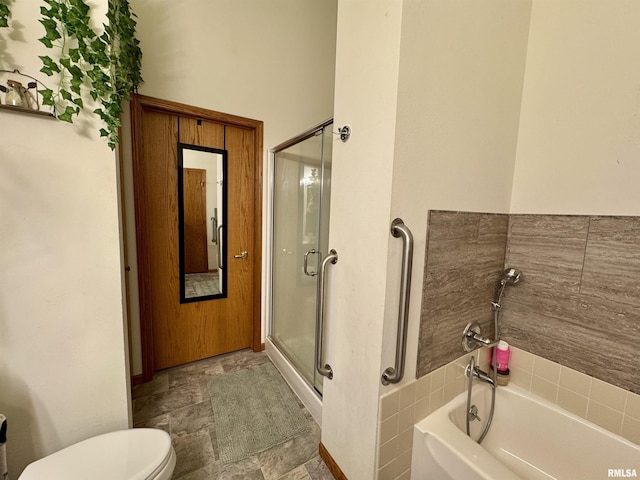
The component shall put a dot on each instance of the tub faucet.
(474, 370)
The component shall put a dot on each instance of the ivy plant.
(4, 13)
(104, 65)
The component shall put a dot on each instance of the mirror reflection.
(202, 214)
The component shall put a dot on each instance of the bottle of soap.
(503, 354)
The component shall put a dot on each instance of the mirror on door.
(202, 212)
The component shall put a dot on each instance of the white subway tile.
(437, 379)
(521, 359)
(544, 388)
(631, 429)
(423, 387)
(422, 409)
(389, 405)
(573, 402)
(388, 472)
(405, 440)
(520, 377)
(608, 395)
(407, 395)
(435, 400)
(388, 429)
(546, 369)
(404, 476)
(604, 416)
(388, 451)
(575, 381)
(406, 418)
(633, 406)
(403, 462)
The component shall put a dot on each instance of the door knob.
(244, 254)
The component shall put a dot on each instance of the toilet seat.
(136, 454)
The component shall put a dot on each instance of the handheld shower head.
(510, 276)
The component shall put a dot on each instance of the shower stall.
(301, 201)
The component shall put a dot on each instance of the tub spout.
(474, 370)
(484, 376)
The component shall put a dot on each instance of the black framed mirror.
(202, 214)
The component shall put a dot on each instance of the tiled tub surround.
(579, 302)
(611, 407)
(464, 258)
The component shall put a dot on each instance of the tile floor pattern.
(177, 401)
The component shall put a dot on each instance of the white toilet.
(136, 454)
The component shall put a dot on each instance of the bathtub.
(530, 438)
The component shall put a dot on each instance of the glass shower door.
(301, 212)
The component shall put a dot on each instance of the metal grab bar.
(395, 374)
(220, 265)
(323, 369)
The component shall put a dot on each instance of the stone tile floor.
(177, 400)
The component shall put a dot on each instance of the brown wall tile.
(578, 303)
(464, 256)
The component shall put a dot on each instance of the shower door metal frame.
(311, 132)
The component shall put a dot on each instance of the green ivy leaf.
(74, 55)
(4, 15)
(67, 115)
(49, 66)
(66, 62)
(76, 83)
(47, 97)
(107, 63)
(47, 43)
(51, 29)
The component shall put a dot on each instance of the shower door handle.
(399, 229)
(305, 263)
(323, 369)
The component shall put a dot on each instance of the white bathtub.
(530, 438)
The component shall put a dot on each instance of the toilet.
(135, 454)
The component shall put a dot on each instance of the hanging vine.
(4, 13)
(105, 65)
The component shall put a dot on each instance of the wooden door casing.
(174, 333)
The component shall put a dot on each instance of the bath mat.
(254, 410)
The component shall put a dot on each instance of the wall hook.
(344, 132)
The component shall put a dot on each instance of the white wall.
(63, 374)
(579, 139)
(432, 91)
(461, 75)
(367, 57)
(271, 61)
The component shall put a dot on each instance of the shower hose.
(496, 313)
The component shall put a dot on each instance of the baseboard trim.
(137, 379)
(331, 463)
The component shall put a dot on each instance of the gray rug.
(254, 410)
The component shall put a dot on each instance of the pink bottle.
(503, 354)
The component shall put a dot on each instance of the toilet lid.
(136, 454)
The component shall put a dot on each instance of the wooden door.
(175, 333)
(195, 220)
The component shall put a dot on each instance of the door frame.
(142, 102)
